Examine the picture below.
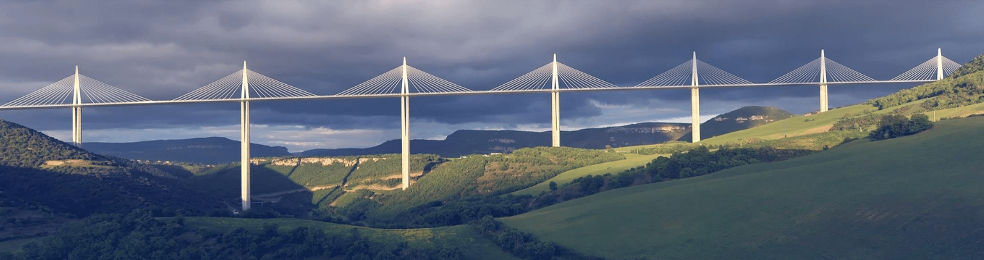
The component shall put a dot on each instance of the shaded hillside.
(740, 119)
(79, 195)
(24, 147)
(211, 150)
(909, 197)
(37, 171)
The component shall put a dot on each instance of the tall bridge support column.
(694, 102)
(405, 126)
(555, 105)
(77, 111)
(823, 83)
(244, 141)
(939, 63)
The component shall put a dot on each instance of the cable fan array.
(927, 70)
(810, 73)
(92, 91)
(390, 82)
(707, 75)
(568, 77)
(260, 86)
(230, 87)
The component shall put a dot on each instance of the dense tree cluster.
(892, 126)
(965, 86)
(975, 65)
(698, 161)
(24, 147)
(82, 195)
(856, 123)
(138, 235)
(522, 244)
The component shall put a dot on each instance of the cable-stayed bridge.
(244, 86)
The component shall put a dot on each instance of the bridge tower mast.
(939, 63)
(555, 104)
(823, 82)
(244, 140)
(76, 110)
(405, 125)
(694, 101)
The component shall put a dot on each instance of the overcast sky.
(162, 49)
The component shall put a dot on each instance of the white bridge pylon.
(405, 81)
(556, 77)
(933, 68)
(694, 73)
(243, 85)
(75, 91)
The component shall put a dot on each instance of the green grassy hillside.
(631, 160)
(476, 177)
(910, 197)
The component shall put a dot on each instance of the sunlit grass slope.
(911, 197)
(464, 238)
(794, 126)
(631, 161)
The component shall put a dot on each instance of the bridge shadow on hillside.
(335, 192)
(272, 192)
(294, 169)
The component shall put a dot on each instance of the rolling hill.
(464, 142)
(909, 197)
(24, 147)
(742, 118)
(210, 150)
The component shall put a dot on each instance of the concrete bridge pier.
(555, 105)
(244, 141)
(405, 127)
(694, 102)
(76, 111)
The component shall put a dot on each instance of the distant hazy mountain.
(209, 150)
(464, 142)
(461, 142)
(739, 119)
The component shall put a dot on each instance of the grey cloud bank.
(162, 49)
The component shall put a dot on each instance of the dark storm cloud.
(162, 49)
